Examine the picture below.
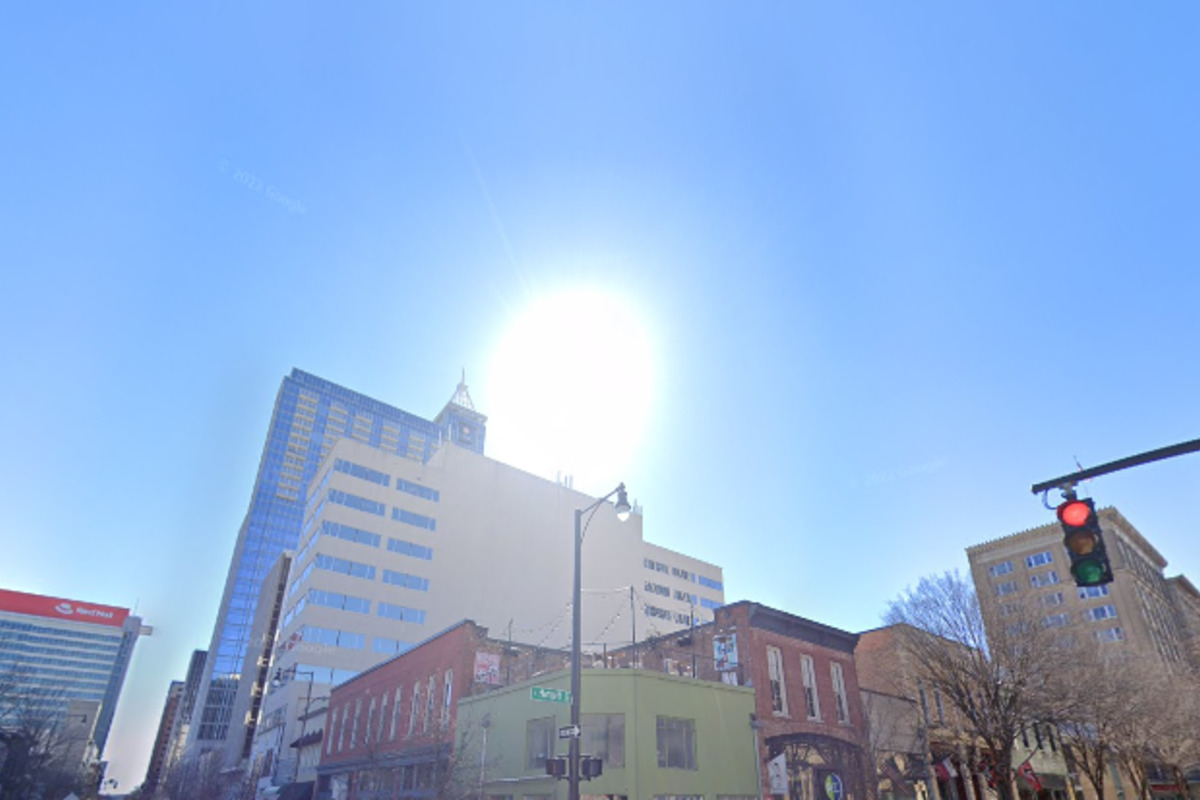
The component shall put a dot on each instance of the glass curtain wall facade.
(310, 415)
(54, 661)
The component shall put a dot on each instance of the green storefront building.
(660, 738)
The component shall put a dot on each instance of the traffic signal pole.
(1068, 481)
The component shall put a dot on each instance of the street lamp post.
(623, 509)
(277, 682)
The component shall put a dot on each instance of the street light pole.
(623, 509)
(278, 681)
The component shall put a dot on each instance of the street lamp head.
(623, 507)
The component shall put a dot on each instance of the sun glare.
(570, 388)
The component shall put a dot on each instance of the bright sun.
(570, 388)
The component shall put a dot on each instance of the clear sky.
(879, 268)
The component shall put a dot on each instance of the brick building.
(390, 731)
(810, 720)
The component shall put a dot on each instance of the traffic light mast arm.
(1067, 481)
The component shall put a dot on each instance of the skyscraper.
(310, 415)
(62, 654)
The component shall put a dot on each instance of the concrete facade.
(1136, 612)
(393, 548)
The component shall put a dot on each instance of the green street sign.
(549, 695)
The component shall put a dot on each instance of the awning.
(312, 737)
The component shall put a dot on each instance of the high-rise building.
(393, 549)
(187, 703)
(310, 415)
(1137, 611)
(160, 755)
(60, 655)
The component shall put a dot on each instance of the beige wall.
(1138, 592)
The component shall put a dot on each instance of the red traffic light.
(1074, 513)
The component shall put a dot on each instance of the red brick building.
(811, 724)
(390, 731)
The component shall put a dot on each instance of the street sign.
(548, 695)
(568, 732)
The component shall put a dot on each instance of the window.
(676, 743)
(1092, 592)
(342, 730)
(383, 707)
(839, 693)
(1039, 559)
(811, 701)
(996, 570)
(448, 692)
(539, 740)
(1008, 587)
(354, 730)
(333, 718)
(604, 737)
(1057, 620)
(657, 588)
(1101, 612)
(417, 490)
(941, 707)
(395, 716)
(1043, 579)
(415, 709)
(1053, 599)
(407, 581)
(370, 723)
(358, 471)
(344, 566)
(410, 549)
(402, 613)
(414, 519)
(356, 502)
(430, 698)
(778, 688)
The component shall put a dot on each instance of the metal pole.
(576, 625)
(303, 722)
(633, 627)
(1120, 464)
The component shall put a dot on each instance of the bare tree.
(199, 778)
(989, 662)
(39, 752)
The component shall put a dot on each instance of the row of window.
(414, 519)
(383, 479)
(421, 713)
(1036, 560)
(603, 735)
(359, 536)
(1048, 578)
(361, 472)
(658, 566)
(111, 639)
(808, 675)
(415, 582)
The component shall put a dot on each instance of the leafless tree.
(39, 754)
(990, 662)
(199, 778)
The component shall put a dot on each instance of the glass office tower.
(61, 652)
(310, 415)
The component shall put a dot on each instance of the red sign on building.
(61, 608)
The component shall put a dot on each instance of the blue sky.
(894, 263)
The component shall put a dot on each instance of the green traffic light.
(1088, 572)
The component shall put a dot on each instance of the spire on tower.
(461, 396)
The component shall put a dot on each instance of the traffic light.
(556, 766)
(590, 767)
(1084, 542)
